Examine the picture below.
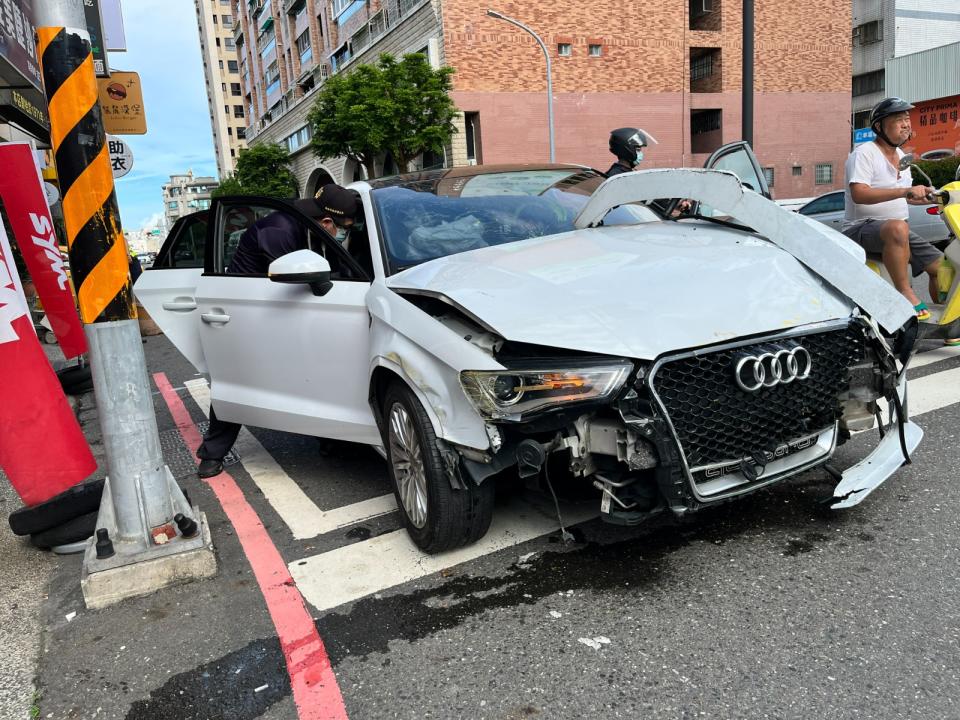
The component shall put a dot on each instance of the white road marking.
(294, 507)
(932, 356)
(355, 571)
(933, 392)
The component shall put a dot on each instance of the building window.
(233, 153)
(304, 47)
(869, 33)
(172, 205)
(268, 47)
(338, 6)
(298, 139)
(238, 111)
(564, 49)
(235, 89)
(768, 175)
(596, 50)
(701, 67)
(861, 119)
(706, 130)
(823, 174)
(867, 83)
(474, 148)
(229, 131)
(214, 19)
(229, 43)
(797, 170)
(226, 2)
(241, 133)
(221, 64)
(218, 42)
(705, 15)
(223, 87)
(227, 20)
(232, 66)
(271, 78)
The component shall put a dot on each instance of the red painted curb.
(315, 689)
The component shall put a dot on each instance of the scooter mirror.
(906, 161)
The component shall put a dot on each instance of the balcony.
(238, 33)
(292, 7)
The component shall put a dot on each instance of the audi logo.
(778, 366)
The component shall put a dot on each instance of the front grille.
(716, 421)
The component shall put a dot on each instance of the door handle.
(215, 318)
(180, 305)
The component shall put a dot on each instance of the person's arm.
(863, 194)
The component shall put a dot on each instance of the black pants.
(218, 439)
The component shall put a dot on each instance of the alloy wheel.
(408, 468)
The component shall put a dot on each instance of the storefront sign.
(936, 127)
(91, 11)
(25, 108)
(16, 40)
(121, 100)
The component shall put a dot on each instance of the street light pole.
(546, 54)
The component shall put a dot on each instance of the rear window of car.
(427, 220)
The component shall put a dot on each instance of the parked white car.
(924, 220)
(485, 318)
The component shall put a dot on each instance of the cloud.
(151, 222)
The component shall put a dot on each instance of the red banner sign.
(936, 127)
(42, 448)
(21, 188)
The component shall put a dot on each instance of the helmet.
(625, 143)
(883, 109)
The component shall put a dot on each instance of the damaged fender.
(429, 357)
(832, 256)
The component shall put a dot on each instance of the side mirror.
(906, 161)
(302, 267)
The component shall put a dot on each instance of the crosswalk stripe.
(355, 571)
(290, 502)
(932, 356)
(933, 392)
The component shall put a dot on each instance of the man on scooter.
(877, 193)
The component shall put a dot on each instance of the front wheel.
(437, 516)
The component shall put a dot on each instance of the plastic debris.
(261, 688)
(555, 614)
(596, 642)
(70, 616)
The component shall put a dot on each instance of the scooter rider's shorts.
(866, 234)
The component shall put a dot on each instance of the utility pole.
(546, 54)
(747, 91)
(147, 535)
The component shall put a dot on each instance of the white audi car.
(481, 320)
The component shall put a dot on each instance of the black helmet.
(883, 109)
(625, 142)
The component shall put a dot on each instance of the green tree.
(261, 170)
(940, 171)
(402, 108)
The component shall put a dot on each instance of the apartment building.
(221, 71)
(185, 194)
(672, 68)
(887, 29)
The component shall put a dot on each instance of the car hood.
(636, 291)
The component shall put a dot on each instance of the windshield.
(449, 213)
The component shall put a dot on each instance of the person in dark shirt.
(335, 208)
(627, 144)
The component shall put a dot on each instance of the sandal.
(952, 342)
(923, 312)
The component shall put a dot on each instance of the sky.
(163, 45)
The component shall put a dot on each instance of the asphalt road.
(770, 607)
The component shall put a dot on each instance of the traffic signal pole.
(148, 535)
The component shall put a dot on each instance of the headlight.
(514, 394)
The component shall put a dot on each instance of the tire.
(75, 380)
(437, 516)
(79, 528)
(78, 500)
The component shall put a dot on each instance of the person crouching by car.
(335, 208)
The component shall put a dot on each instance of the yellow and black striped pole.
(98, 253)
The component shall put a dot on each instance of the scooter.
(944, 322)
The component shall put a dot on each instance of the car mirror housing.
(302, 267)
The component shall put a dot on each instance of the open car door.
(738, 158)
(168, 289)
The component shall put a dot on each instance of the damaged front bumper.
(678, 437)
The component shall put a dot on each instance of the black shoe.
(209, 468)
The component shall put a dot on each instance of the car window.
(445, 214)
(187, 247)
(826, 203)
(237, 219)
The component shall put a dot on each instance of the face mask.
(639, 157)
(341, 235)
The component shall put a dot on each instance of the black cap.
(332, 201)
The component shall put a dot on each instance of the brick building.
(672, 68)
